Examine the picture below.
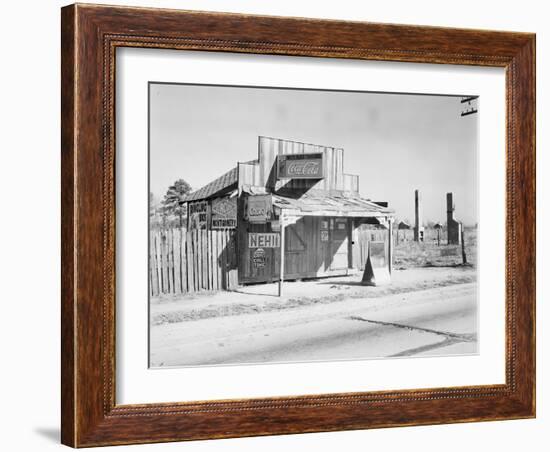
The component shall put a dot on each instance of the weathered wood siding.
(184, 262)
(306, 255)
(262, 173)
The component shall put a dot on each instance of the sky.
(396, 143)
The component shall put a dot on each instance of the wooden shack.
(296, 201)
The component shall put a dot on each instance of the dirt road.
(436, 321)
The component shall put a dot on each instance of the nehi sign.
(264, 240)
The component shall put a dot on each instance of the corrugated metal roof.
(221, 183)
(320, 204)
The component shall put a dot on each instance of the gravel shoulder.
(263, 298)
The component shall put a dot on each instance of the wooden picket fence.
(191, 261)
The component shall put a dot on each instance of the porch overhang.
(331, 205)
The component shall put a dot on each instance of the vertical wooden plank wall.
(185, 262)
(190, 262)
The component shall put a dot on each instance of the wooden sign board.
(258, 258)
(376, 270)
(198, 215)
(300, 166)
(258, 208)
(377, 253)
(224, 213)
(264, 240)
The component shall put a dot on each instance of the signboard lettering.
(226, 223)
(224, 213)
(258, 258)
(300, 166)
(324, 235)
(198, 215)
(258, 208)
(264, 240)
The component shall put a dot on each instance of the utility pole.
(470, 108)
(464, 260)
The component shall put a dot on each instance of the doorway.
(338, 248)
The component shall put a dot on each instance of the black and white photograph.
(294, 225)
(234, 225)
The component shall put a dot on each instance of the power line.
(471, 107)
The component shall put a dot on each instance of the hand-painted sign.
(258, 208)
(300, 166)
(264, 240)
(224, 213)
(258, 258)
(198, 215)
(341, 225)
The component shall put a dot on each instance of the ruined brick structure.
(454, 227)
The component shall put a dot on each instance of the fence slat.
(153, 265)
(212, 261)
(207, 235)
(164, 257)
(209, 258)
(218, 260)
(190, 262)
(223, 274)
(176, 252)
(183, 262)
(183, 258)
(198, 269)
(204, 252)
(214, 242)
(158, 252)
(170, 253)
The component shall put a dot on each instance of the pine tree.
(174, 200)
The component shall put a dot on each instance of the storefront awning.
(331, 205)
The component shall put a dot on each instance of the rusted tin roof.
(217, 186)
(333, 204)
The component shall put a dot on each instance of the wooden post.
(464, 260)
(438, 239)
(282, 262)
(390, 244)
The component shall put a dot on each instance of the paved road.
(441, 321)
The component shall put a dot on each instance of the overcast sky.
(396, 143)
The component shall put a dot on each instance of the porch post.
(282, 260)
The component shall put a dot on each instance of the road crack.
(455, 337)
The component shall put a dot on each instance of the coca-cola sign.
(300, 166)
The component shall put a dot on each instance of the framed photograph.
(281, 225)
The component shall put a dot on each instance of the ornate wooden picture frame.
(90, 37)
